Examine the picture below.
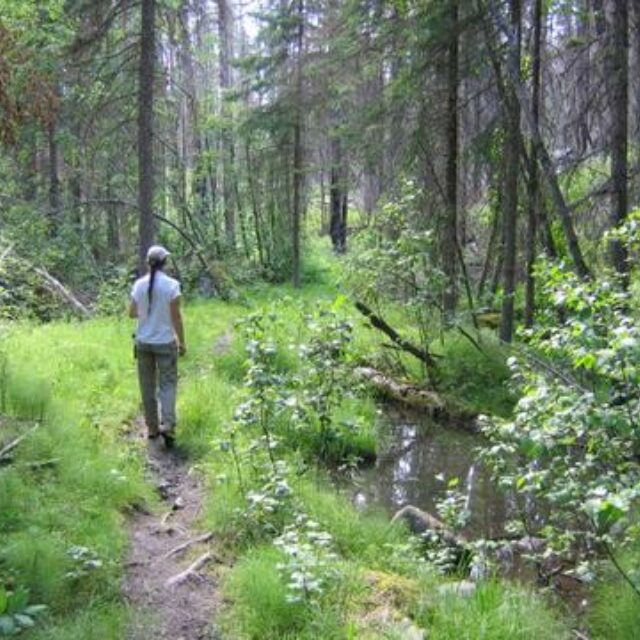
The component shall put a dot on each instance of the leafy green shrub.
(574, 441)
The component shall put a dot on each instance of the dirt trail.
(165, 604)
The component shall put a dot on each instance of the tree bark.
(619, 107)
(54, 178)
(228, 151)
(511, 159)
(450, 231)
(534, 183)
(338, 199)
(296, 212)
(146, 69)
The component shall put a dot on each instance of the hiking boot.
(169, 439)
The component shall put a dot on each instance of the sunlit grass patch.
(103, 620)
(261, 605)
(495, 611)
(63, 492)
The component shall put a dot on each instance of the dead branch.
(179, 578)
(57, 288)
(205, 537)
(16, 441)
(380, 324)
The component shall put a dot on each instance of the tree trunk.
(618, 49)
(534, 183)
(546, 163)
(228, 152)
(450, 231)
(146, 69)
(54, 179)
(338, 199)
(510, 200)
(296, 210)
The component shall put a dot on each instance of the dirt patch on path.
(169, 584)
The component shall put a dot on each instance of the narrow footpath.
(169, 582)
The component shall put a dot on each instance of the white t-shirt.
(155, 327)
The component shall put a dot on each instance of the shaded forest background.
(494, 131)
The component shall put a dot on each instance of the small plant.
(16, 614)
(324, 380)
(309, 564)
(85, 561)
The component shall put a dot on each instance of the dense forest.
(406, 235)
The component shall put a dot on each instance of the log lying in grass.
(56, 288)
(421, 522)
(419, 398)
(408, 394)
(7, 449)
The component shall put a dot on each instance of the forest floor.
(168, 585)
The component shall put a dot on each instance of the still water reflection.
(416, 458)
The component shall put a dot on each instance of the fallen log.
(406, 393)
(7, 449)
(421, 522)
(56, 288)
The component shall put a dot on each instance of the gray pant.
(158, 377)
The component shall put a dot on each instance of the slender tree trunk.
(257, 221)
(450, 231)
(228, 152)
(54, 179)
(534, 182)
(296, 211)
(146, 69)
(338, 198)
(618, 47)
(546, 163)
(510, 201)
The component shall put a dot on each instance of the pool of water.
(416, 457)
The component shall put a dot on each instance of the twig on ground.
(185, 545)
(179, 578)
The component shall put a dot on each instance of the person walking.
(159, 339)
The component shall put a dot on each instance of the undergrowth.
(62, 523)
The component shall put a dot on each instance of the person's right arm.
(176, 321)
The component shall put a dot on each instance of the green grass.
(477, 379)
(615, 614)
(57, 374)
(99, 620)
(496, 611)
(79, 380)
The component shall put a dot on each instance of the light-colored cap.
(157, 253)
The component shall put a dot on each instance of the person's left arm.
(133, 305)
(133, 309)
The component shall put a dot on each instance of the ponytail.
(154, 266)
